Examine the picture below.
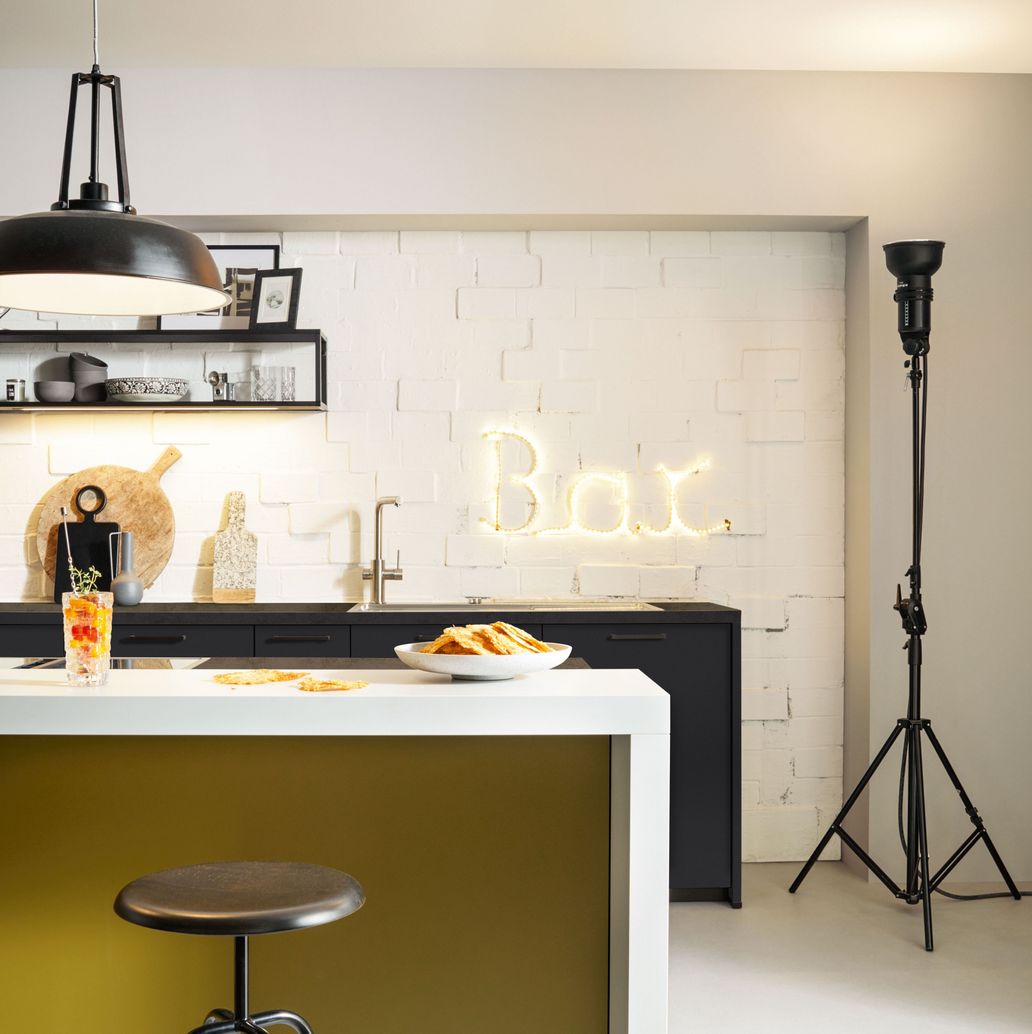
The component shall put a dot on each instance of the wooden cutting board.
(135, 501)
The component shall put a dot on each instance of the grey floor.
(842, 955)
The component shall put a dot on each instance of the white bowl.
(479, 667)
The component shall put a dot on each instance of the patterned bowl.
(147, 389)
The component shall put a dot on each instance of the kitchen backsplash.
(700, 374)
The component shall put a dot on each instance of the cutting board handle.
(165, 460)
(237, 505)
(89, 516)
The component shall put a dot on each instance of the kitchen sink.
(500, 607)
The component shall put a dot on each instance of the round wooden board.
(135, 500)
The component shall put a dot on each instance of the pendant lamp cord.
(96, 34)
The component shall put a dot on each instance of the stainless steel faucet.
(376, 572)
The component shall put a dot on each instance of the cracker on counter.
(314, 685)
(257, 677)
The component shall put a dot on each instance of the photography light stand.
(913, 263)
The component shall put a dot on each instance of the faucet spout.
(377, 572)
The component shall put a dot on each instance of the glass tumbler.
(264, 383)
(287, 388)
(239, 387)
(87, 636)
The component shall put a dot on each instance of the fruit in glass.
(87, 636)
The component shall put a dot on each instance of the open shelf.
(201, 340)
(162, 407)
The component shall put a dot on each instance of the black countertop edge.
(332, 663)
(280, 663)
(340, 614)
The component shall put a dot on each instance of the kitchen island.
(691, 649)
(564, 706)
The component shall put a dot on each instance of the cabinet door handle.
(298, 639)
(154, 640)
(424, 639)
(636, 637)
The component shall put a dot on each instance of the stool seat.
(240, 898)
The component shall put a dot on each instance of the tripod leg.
(915, 793)
(972, 812)
(922, 838)
(840, 817)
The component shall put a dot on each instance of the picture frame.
(238, 265)
(277, 294)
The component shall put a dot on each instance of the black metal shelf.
(126, 337)
(214, 338)
(158, 407)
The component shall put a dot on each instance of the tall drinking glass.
(87, 636)
(264, 383)
(287, 382)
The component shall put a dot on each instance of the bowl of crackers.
(483, 653)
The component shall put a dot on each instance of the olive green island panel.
(484, 860)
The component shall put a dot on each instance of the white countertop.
(163, 702)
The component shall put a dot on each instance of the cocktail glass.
(87, 636)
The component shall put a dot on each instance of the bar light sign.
(596, 502)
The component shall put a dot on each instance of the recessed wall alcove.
(664, 375)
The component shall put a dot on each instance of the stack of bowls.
(89, 375)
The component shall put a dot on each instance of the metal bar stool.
(241, 899)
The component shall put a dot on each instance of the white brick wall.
(614, 351)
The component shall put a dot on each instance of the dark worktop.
(341, 614)
(332, 663)
(230, 663)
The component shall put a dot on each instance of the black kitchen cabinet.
(380, 640)
(181, 640)
(33, 640)
(697, 665)
(302, 641)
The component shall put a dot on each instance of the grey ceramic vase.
(126, 585)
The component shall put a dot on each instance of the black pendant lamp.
(94, 256)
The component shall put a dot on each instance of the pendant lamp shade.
(93, 255)
(104, 263)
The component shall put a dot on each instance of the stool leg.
(217, 1014)
(215, 1028)
(284, 1018)
(240, 978)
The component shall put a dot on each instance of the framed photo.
(238, 264)
(277, 293)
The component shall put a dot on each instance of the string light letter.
(522, 480)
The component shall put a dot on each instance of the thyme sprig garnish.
(83, 582)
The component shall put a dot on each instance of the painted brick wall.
(611, 352)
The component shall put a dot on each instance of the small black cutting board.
(89, 543)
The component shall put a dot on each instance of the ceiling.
(865, 35)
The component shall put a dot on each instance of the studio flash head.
(912, 263)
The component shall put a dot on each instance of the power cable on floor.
(903, 841)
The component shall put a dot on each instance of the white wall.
(917, 155)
